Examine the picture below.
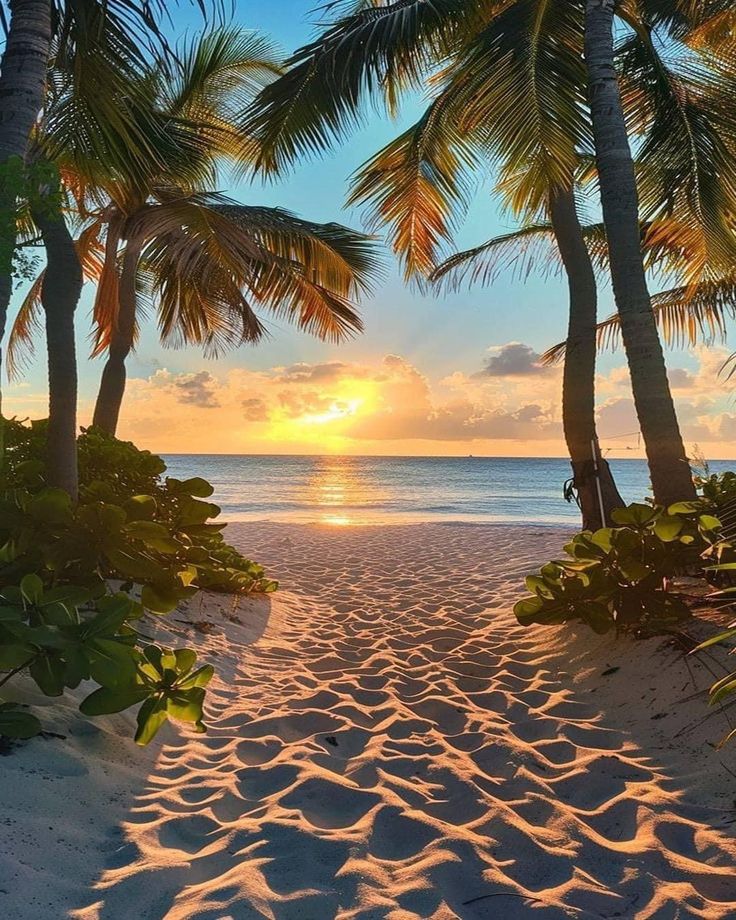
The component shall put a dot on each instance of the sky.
(446, 374)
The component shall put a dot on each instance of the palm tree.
(59, 295)
(93, 44)
(668, 465)
(159, 235)
(391, 46)
(104, 34)
(418, 186)
(22, 82)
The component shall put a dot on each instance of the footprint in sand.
(291, 727)
(189, 834)
(258, 783)
(252, 753)
(329, 805)
(448, 717)
(396, 836)
(295, 854)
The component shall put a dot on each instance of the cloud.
(255, 409)
(389, 405)
(328, 372)
(297, 404)
(197, 390)
(681, 379)
(514, 359)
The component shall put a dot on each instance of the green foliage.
(168, 685)
(617, 577)
(726, 686)
(59, 620)
(23, 185)
(718, 489)
(16, 723)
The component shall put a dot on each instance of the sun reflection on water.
(340, 492)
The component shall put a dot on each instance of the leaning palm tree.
(93, 45)
(390, 46)
(160, 236)
(109, 36)
(207, 263)
(419, 183)
(685, 177)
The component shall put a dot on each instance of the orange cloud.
(508, 405)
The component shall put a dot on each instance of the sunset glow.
(503, 405)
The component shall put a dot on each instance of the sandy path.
(394, 747)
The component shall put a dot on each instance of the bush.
(726, 686)
(618, 576)
(58, 618)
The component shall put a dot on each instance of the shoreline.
(391, 522)
(386, 743)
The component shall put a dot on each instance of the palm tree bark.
(578, 380)
(112, 384)
(668, 465)
(60, 292)
(22, 88)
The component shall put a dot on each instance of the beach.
(386, 743)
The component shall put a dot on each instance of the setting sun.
(338, 410)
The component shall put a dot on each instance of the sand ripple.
(395, 747)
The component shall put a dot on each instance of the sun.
(340, 409)
(326, 425)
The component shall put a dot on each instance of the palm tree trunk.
(23, 73)
(62, 286)
(668, 465)
(578, 381)
(22, 88)
(112, 384)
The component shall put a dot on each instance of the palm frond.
(210, 261)
(212, 80)
(525, 84)
(336, 257)
(686, 316)
(684, 169)
(383, 45)
(716, 33)
(680, 18)
(420, 185)
(106, 303)
(26, 326)
(517, 253)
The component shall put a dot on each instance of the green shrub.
(617, 577)
(716, 489)
(64, 636)
(726, 686)
(58, 619)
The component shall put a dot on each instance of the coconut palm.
(392, 46)
(668, 466)
(94, 44)
(162, 237)
(420, 183)
(105, 35)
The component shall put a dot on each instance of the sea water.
(371, 490)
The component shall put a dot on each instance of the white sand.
(389, 745)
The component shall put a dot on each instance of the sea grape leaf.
(15, 723)
(113, 699)
(151, 716)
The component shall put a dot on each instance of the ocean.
(373, 490)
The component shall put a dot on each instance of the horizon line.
(170, 453)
